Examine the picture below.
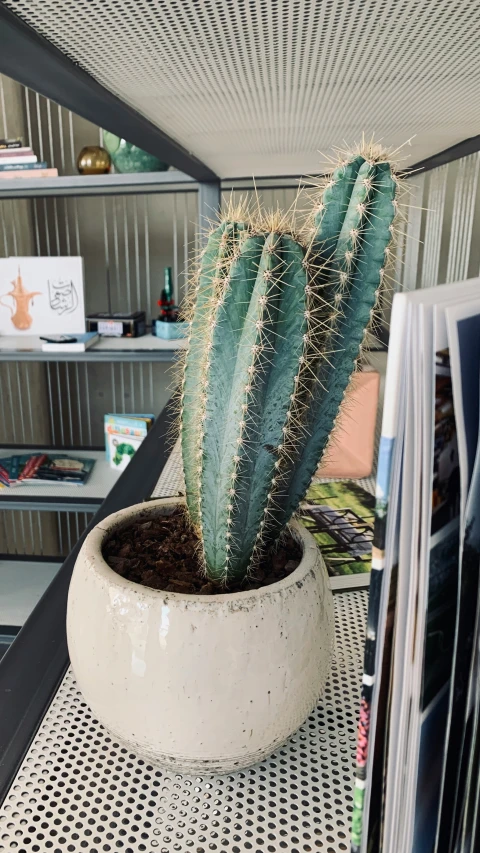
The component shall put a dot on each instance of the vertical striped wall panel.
(442, 226)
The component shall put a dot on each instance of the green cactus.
(276, 333)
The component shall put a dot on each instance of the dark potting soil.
(163, 554)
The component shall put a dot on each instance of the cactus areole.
(276, 332)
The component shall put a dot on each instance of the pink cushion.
(351, 449)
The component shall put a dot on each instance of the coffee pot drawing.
(21, 317)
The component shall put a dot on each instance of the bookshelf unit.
(134, 225)
(215, 89)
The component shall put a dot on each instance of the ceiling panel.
(258, 87)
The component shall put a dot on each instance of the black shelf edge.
(35, 62)
(448, 155)
(31, 558)
(36, 662)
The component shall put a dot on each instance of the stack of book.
(417, 784)
(19, 161)
(42, 468)
(123, 436)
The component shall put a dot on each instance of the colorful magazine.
(416, 779)
(340, 515)
(380, 615)
(44, 467)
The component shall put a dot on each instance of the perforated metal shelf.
(79, 791)
(255, 87)
(171, 482)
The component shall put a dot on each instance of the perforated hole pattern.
(259, 87)
(78, 790)
(171, 481)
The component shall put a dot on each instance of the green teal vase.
(128, 158)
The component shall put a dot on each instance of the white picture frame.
(42, 296)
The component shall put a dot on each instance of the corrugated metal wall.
(136, 237)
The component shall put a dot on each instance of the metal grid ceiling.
(78, 790)
(258, 87)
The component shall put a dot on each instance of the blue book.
(15, 167)
(78, 343)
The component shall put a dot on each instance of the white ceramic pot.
(198, 683)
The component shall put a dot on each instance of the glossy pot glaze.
(205, 684)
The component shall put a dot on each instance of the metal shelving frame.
(64, 783)
(32, 60)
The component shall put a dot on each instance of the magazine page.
(463, 325)
(436, 621)
(380, 616)
(465, 826)
(420, 750)
(423, 384)
(414, 720)
(380, 708)
(393, 602)
(375, 724)
(395, 759)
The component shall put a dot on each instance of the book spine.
(10, 143)
(24, 158)
(365, 826)
(29, 173)
(16, 167)
(15, 152)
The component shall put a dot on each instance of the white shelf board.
(22, 584)
(51, 496)
(145, 348)
(88, 185)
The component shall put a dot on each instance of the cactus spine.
(276, 333)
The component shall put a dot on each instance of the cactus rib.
(214, 264)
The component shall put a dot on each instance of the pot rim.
(92, 552)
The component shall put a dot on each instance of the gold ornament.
(93, 160)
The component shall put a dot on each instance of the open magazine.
(417, 773)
